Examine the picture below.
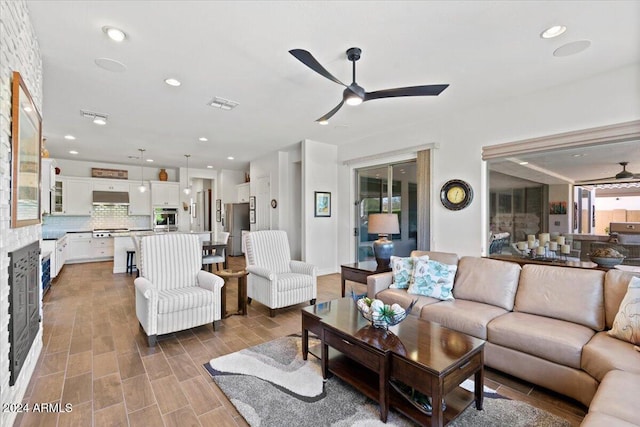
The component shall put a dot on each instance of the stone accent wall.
(19, 51)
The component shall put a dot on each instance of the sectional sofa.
(544, 324)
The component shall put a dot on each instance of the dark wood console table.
(359, 271)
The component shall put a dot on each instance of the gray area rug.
(270, 385)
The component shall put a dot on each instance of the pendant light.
(142, 187)
(187, 189)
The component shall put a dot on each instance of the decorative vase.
(163, 176)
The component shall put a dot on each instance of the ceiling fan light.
(354, 100)
(323, 122)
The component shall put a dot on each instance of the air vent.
(223, 104)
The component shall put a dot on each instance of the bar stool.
(131, 253)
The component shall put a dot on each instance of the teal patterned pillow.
(402, 269)
(433, 279)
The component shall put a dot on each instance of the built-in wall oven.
(165, 219)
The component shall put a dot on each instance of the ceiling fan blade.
(307, 59)
(331, 113)
(428, 90)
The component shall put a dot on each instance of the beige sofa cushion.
(551, 339)
(604, 353)
(465, 316)
(487, 280)
(598, 419)
(400, 296)
(572, 294)
(617, 396)
(443, 257)
(616, 283)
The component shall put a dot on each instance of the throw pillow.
(402, 269)
(433, 279)
(626, 325)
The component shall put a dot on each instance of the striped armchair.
(172, 292)
(275, 280)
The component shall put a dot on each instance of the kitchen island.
(123, 242)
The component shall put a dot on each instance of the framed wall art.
(218, 216)
(252, 202)
(26, 137)
(218, 204)
(252, 216)
(322, 204)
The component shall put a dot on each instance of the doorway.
(387, 188)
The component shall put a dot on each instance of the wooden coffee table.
(421, 355)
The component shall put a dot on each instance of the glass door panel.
(374, 197)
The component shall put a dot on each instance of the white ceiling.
(486, 50)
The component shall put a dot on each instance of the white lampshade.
(383, 223)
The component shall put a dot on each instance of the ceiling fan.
(355, 94)
(623, 176)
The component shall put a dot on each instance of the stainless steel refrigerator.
(236, 219)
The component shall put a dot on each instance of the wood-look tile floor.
(96, 358)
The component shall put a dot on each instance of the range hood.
(110, 198)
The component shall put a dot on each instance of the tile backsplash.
(101, 217)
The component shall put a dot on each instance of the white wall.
(601, 100)
(19, 51)
(83, 169)
(610, 203)
(320, 234)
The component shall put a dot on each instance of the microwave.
(165, 219)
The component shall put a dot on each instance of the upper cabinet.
(165, 194)
(72, 196)
(48, 184)
(139, 203)
(111, 185)
(243, 192)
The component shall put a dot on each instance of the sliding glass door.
(388, 188)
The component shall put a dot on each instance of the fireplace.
(24, 298)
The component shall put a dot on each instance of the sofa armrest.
(145, 287)
(300, 267)
(210, 281)
(378, 282)
(261, 271)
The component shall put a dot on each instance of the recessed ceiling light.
(209, 167)
(115, 34)
(73, 152)
(523, 163)
(230, 158)
(70, 137)
(552, 32)
(572, 48)
(202, 139)
(172, 82)
(150, 160)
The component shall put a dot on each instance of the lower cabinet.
(102, 248)
(79, 247)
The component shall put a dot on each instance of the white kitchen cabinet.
(243, 192)
(110, 185)
(72, 196)
(58, 249)
(165, 194)
(102, 248)
(139, 203)
(79, 247)
(48, 184)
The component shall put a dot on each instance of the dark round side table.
(241, 275)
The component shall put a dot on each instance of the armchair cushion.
(303, 268)
(178, 299)
(290, 281)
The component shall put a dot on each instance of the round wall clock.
(456, 194)
(274, 203)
